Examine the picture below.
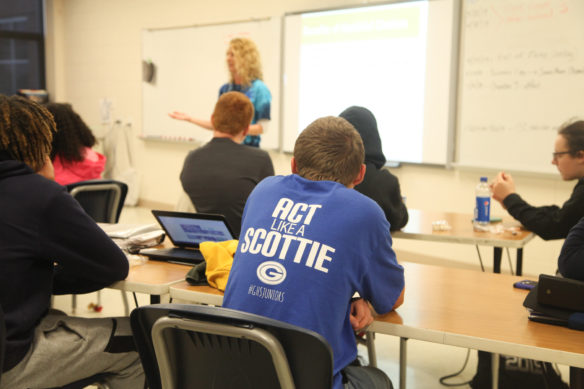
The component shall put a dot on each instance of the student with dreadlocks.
(49, 245)
(71, 153)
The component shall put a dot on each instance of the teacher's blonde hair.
(248, 64)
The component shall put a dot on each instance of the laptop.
(186, 231)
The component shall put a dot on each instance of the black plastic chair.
(103, 200)
(187, 346)
(2, 341)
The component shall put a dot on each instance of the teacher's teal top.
(260, 97)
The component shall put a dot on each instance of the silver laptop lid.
(190, 229)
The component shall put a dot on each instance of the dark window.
(22, 46)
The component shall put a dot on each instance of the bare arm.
(361, 315)
(255, 129)
(259, 128)
(206, 124)
(400, 299)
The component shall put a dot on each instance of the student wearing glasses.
(551, 222)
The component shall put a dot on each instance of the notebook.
(186, 231)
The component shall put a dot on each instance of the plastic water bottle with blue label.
(482, 214)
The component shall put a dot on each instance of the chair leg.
(126, 304)
(403, 361)
(370, 340)
(73, 303)
(495, 370)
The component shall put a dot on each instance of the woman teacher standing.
(245, 69)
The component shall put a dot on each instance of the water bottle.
(482, 214)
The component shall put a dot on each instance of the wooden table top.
(477, 310)
(458, 307)
(420, 227)
(153, 277)
(201, 294)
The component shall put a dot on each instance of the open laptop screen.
(188, 230)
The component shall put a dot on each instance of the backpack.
(517, 373)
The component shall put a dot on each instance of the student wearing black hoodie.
(379, 184)
(49, 245)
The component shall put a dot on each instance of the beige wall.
(94, 52)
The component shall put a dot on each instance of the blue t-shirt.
(305, 248)
(260, 97)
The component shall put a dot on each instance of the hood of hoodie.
(10, 167)
(366, 125)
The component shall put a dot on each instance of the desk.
(153, 278)
(201, 294)
(420, 227)
(463, 308)
(475, 310)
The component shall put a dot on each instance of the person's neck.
(237, 79)
(235, 138)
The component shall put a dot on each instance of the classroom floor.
(427, 362)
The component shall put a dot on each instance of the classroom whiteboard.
(521, 76)
(190, 68)
(398, 59)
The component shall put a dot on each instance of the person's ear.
(293, 166)
(212, 121)
(360, 176)
(245, 131)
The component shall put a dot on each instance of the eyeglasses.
(556, 154)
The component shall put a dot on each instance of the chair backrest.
(103, 200)
(2, 341)
(186, 346)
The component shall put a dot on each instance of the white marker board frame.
(191, 67)
(365, 68)
(522, 76)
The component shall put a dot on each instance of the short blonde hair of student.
(233, 113)
(329, 149)
(248, 64)
(26, 130)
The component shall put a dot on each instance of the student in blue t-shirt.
(309, 241)
(245, 70)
